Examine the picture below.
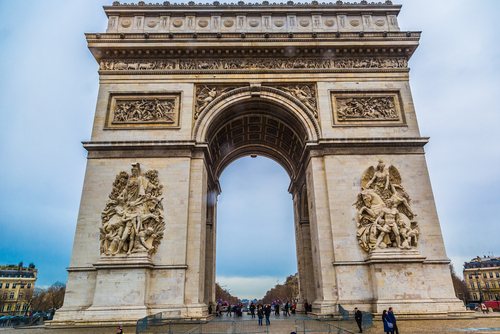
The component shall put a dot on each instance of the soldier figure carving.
(385, 218)
(132, 221)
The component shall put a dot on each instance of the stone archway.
(271, 125)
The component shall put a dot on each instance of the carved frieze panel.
(367, 108)
(385, 218)
(143, 110)
(252, 64)
(132, 221)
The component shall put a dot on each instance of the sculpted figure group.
(145, 111)
(132, 221)
(252, 64)
(367, 108)
(385, 218)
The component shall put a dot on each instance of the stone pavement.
(282, 325)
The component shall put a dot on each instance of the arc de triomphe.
(322, 89)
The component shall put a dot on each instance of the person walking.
(277, 308)
(306, 307)
(287, 308)
(252, 309)
(359, 318)
(267, 313)
(229, 310)
(388, 326)
(393, 320)
(260, 315)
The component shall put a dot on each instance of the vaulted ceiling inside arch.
(260, 128)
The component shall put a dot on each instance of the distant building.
(482, 278)
(17, 283)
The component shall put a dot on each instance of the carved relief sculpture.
(132, 221)
(252, 64)
(385, 218)
(306, 94)
(144, 111)
(205, 95)
(382, 108)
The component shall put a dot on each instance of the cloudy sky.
(48, 91)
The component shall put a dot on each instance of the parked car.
(42, 315)
(472, 306)
(494, 305)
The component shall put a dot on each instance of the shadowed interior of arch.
(256, 127)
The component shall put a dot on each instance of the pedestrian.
(306, 307)
(120, 331)
(359, 318)
(484, 308)
(287, 307)
(252, 310)
(228, 310)
(393, 320)
(210, 308)
(267, 313)
(388, 326)
(277, 308)
(260, 315)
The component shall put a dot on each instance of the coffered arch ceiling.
(256, 127)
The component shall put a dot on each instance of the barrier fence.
(161, 323)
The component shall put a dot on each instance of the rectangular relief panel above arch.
(370, 108)
(143, 110)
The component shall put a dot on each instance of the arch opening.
(256, 127)
(255, 228)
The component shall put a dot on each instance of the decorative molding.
(143, 110)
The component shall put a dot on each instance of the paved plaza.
(282, 325)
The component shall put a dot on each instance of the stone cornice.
(254, 45)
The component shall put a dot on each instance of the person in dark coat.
(386, 321)
(359, 318)
(393, 320)
(252, 309)
(229, 310)
(120, 331)
(306, 307)
(260, 315)
(267, 313)
(287, 307)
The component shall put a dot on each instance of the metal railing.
(159, 323)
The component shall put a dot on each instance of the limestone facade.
(321, 89)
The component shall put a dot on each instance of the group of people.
(236, 309)
(389, 321)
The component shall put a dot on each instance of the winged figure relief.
(385, 217)
(205, 95)
(305, 94)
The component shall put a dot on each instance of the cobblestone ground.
(485, 325)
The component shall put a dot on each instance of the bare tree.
(458, 285)
(56, 294)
